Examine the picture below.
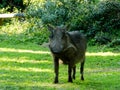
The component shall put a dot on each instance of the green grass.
(30, 67)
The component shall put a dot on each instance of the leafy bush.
(89, 18)
(22, 32)
(105, 18)
(102, 38)
(114, 43)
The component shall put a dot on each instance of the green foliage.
(11, 4)
(115, 44)
(105, 16)
(94, 20)
(50, 12)
(25, 31)
(99, 21)
(59, 12)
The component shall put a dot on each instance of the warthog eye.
(51, 36)
(63, 36)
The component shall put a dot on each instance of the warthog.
(69, 47)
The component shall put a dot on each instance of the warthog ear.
(50, 27)
(66, 27)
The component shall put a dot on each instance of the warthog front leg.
(56, 69)
(74, 72)
(69, 73)
(82, 70)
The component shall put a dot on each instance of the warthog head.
(58, 39)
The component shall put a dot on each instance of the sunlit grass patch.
(26, 69)
(102, 70)
(23, 51)
(102, 54)
(24, 61)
